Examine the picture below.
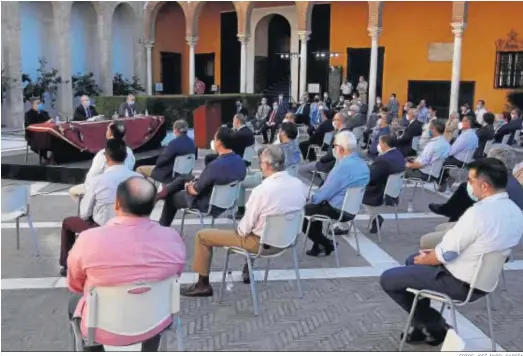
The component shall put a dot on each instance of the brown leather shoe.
(197, 291)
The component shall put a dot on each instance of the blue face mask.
(431, 134)
(131, 102)
(40, 107)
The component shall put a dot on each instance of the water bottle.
(126, 113)
(115, 115)
(146, 112)
(410, 208)
(229, 286)
(57, 120)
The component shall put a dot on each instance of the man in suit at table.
(414, 129)
(85, 110)
(128, 108)
(36, 115)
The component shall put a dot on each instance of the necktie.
(300, 110)
(87, 112)
(273, 115)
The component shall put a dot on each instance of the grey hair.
(355, 108)
(344, 115)
(181, 125)
(504, 153)
(240, 118)
(347, 140)
(274, 156)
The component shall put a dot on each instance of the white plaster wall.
(84, 47)
(124, 40)
(289, 12)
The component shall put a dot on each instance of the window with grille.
(509, 62)
(509, 70)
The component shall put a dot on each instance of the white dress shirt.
(99, 163)
(465, 145)
(479, 115)
(100, 193)
(346, 89)
(278, 194)
(492, 224)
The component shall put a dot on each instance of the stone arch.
(84, 38)
(123, 39)
(193, 15)
(151, 12)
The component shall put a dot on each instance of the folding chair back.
(281, 230)
(517, 136)
(224, 196)
(358, 132)
(184, 164)
(109, 212)
(505, 139)
(327, 138)
(248, 154)
(453, 342)
(437, 166)
(15, 201)
(415, 143)
(131, 310)
(292, 170)
(488, 271)
(394, 185)
(488, 146)
(469, 156)
(353, 199)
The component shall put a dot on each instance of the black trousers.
(449, 161)
(458, 203)
(416, 174)
(175, 199)
(268, 133)
(304, 148)
(395, 281)
(149, 345)
(315, 231)
(210, 157)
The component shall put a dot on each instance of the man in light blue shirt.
(349, 171)
(462, 151)
(433, 155)
(423, 111)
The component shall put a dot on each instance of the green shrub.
(174, 107)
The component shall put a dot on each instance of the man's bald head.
(135, 196)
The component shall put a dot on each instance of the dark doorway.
(358, 64)
(318, 68)
(279, 42)
(230, 49)
(437, 94)
(204, 68)
(171, 72)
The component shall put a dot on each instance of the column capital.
(148, 44)
(243, 38)
(303, 35)
(458, 28)
(374, 32)
(192, 41)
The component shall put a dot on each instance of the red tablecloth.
(90, 136)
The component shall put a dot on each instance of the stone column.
(149, 62)
(191, 41)
(304, 37)
(61, 11)
(374, 34)
(244, 40)
(106, 52)
(457, 30)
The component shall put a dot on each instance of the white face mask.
(334, 125)
(213, 146)
(470, 192)
(460, 126)
(320, 107)
(380, 150)
(275, 107)
(264, 102)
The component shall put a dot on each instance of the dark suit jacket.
(327, 162)
(35, 117)
(283, 107)
(180, 146)
(131, 110)
(506, 129)
(242, 111)
(414, 129)
(80, 113)
(304, 117)
(319, 134)
(391, 162)
(278, 118)
(243, 138)
(485, 133)
(356, 121)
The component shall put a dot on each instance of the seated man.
(327, 161)
(303, 112)
(115, 131)
(350, 171)
(36, 115)
(243, 138)
(85, 110)
(271, 125)
(187, 192)
(289, 118)
(382, 128)
(494, 224)
(128, 108)
(288, 134)
(181, 145)
(511, 123)
(462, 199)
(485, 133)
(106, 256)
(97, 204)
(413, 129)
(317, 137)
(262, 114)
(279, 193)
(437, 148)
(461, 151)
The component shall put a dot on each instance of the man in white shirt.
(493, 224)
(97, 205)
(279, 193)
(346, 88)
(480, 111)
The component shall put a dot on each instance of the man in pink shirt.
(199, 86)
(129, 248)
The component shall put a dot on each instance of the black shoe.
(63, 271)
(374, 227)
(340, 231)
(435, 337)
(415, 337)
(245, 274)
(197, 291)
(327, 249)
(437, 209)
(314, 252)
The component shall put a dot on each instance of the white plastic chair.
(248, 154)
(392, 190)
(184, 164)
(517, 136)
(488, 146)
(130, 310)
(505, 139)
(280, 232)
(223, 197)
(15, 205)
(433, 176)
(318, 149)
(358, 132)
(351, 205)
(292, 170)
(486, 274)
(323, 177)
(415, 143)
(469, 156)
(453, 342)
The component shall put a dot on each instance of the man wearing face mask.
(462, 199)
(240, 109)
(262, 113)
(317, 136)
(382, 128)
(303, 112)
(315, 115)
(327, 101)
(480, 111)
(283, 105)
(128, 109)
(509, 127)
(393, 105)
(484, 133)
(271, 125)
(85, 110)
(36, 115)
(493, 224)
(413, 129)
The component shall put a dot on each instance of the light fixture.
(326, 55)
(289, 55)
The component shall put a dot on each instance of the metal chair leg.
(306, 239)
(397, 219)
(183, 222)
(224, 274)
(202, 224)
(179, 334)
(163, 342)
(491, 328)
(267, 267)
(18, 233)
(33, 235)
(409, 322)
(335, 243)
(297, 269)
(356, 237)
(26, 152)
(379, 229)
(253, 288)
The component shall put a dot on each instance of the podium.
(207, 120)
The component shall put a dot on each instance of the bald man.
(85, 110)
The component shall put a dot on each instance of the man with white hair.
(128, 108)
(350, 171)
(85, 110)
(357, 119)
(279, 193)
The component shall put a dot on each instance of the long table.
(81, 140)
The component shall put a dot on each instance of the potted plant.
(47, 81)
(85, 84)
(123, 86)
